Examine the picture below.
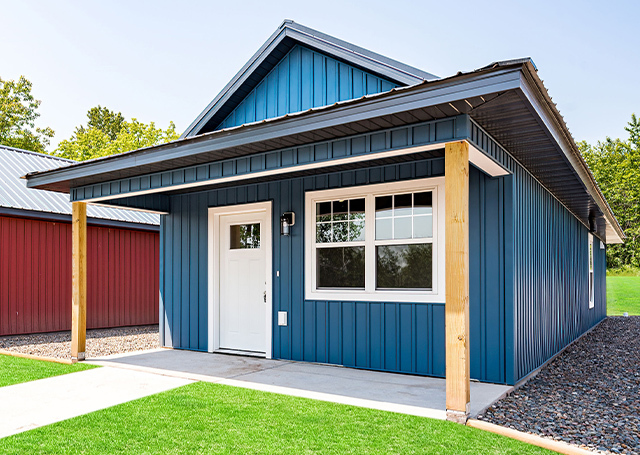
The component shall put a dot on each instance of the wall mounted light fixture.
(287, 220)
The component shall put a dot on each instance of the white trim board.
(476, 157)
(213, 275)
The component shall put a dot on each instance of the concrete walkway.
(402, 393)
(45, 401)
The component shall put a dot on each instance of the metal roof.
(279, 43)
(14, 194)
(507, 99)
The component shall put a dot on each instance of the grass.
(623, 294)
(204, 418)
(14, 370)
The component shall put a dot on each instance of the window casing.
(380, 242)
(591, 275)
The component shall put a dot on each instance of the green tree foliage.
(18, 113)
(108, 133)
(615, 163)
(105, 120)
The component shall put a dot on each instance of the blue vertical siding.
(528, 277)
(390, 336)
(551, 281)
(304, 79)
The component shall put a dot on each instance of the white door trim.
(214, 268)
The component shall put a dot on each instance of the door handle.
(265, 296)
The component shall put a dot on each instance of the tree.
(105, 120)
(108, 133)
(615, 164)
(18, 113)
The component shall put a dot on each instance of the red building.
(35, 256)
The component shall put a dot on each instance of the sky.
(165, 61)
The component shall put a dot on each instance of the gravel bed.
(100, 342)
(588, 396)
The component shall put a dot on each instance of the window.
(243, 236)
(376, 243)
(591, 282)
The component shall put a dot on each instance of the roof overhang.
(508, 100)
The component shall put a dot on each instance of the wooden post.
(456, 176)
(79, 280)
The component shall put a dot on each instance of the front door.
(243, 281)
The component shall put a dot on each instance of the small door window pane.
(245, 236)
(404, 266)
(341, 267)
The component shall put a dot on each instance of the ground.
(100, 342)
(212, 418)
(589, 395)
(623, 294)
(14, 370)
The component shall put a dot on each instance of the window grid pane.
(409, 215)
(340, 221)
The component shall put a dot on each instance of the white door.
(243, 281)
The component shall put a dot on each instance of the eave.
(508, 101)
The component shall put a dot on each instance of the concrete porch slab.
(408, 394)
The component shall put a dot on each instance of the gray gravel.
(588, 396)
(100, 342)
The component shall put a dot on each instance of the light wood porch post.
(456, 175)
(79, 280)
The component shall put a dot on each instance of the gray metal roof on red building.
(15, 196)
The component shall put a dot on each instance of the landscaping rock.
(588, 396)
(100, 342)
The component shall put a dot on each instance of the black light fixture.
(287, 220)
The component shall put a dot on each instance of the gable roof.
(301, 80)
(279, 44)
(14, 194)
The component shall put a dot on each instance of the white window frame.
(591, 276)
(370, 293)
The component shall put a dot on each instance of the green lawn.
(623, 294)
(14, 370)
(215, 419)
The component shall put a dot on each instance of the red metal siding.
(35, 276)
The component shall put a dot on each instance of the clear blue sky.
(161, 61)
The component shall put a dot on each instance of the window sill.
(343, 295)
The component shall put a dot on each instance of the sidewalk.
(45, 401)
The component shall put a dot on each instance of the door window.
(244, 236)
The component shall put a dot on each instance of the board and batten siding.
(35, 276)
(551, 276)
(390, 336)
(302, 80)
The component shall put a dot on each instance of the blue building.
(333, 205)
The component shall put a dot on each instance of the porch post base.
(79, 358)
(457, 416)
